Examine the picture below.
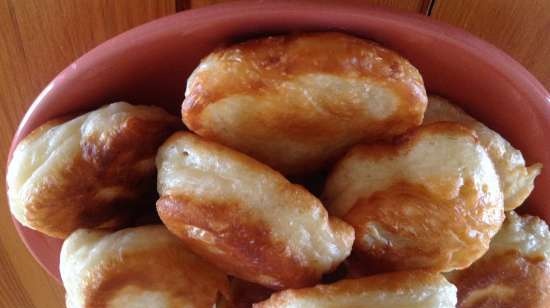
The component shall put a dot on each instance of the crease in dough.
(90, 171)
(244, 216)
(138, 267)
(430, 200)
(298, 102)
(414, 289)
(515, 272)
(517, 180)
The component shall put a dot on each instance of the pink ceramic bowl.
(150, 65)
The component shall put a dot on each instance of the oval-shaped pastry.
(514, 273)
(88, 172)
(431, 200)
(414, 289)
(245, 217)
(297, 102)
(516, 180)
(136, 267)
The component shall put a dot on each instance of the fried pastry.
(87, 172)
(415, 289)
(431, 200)
(137, 267)
(516, 180)
(245, 217)
(297, 102)
(515, 272)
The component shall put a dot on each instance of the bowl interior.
(150, 65)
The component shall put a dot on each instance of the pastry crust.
(515, 272)
(136, 267)
(297, 102)
(245, 217)
(431, 200)
(89, 172)
(415, 289)
(516, 180)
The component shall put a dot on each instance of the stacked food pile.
(417, 208)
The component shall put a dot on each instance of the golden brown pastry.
(296, 102)
(516, 180)
(87, 172)
(136, 267)
(245, 217)
(415, 289)
(515, 272)
(429, 201)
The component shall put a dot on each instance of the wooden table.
(38, 38)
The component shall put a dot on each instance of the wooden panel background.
(419, 6)
(38, 38)
(521, 28)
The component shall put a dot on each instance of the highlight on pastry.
(88, 172)
(136, 267)
(431, 200)
(297, 102)
(515, 272)
(516, 180)
(245, 217)
(414, 289)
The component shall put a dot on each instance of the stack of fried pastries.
(418, 190)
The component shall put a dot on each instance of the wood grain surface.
(419, 6)
(38, 38)
(521, 28)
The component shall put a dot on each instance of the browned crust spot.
(275, 59)
(257, 68)
(100, 187)
(504, 281)
(235, 241)
(423, 227)
(405, 142)
(181, 276)
(385, 283)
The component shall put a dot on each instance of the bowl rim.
(476, 47)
